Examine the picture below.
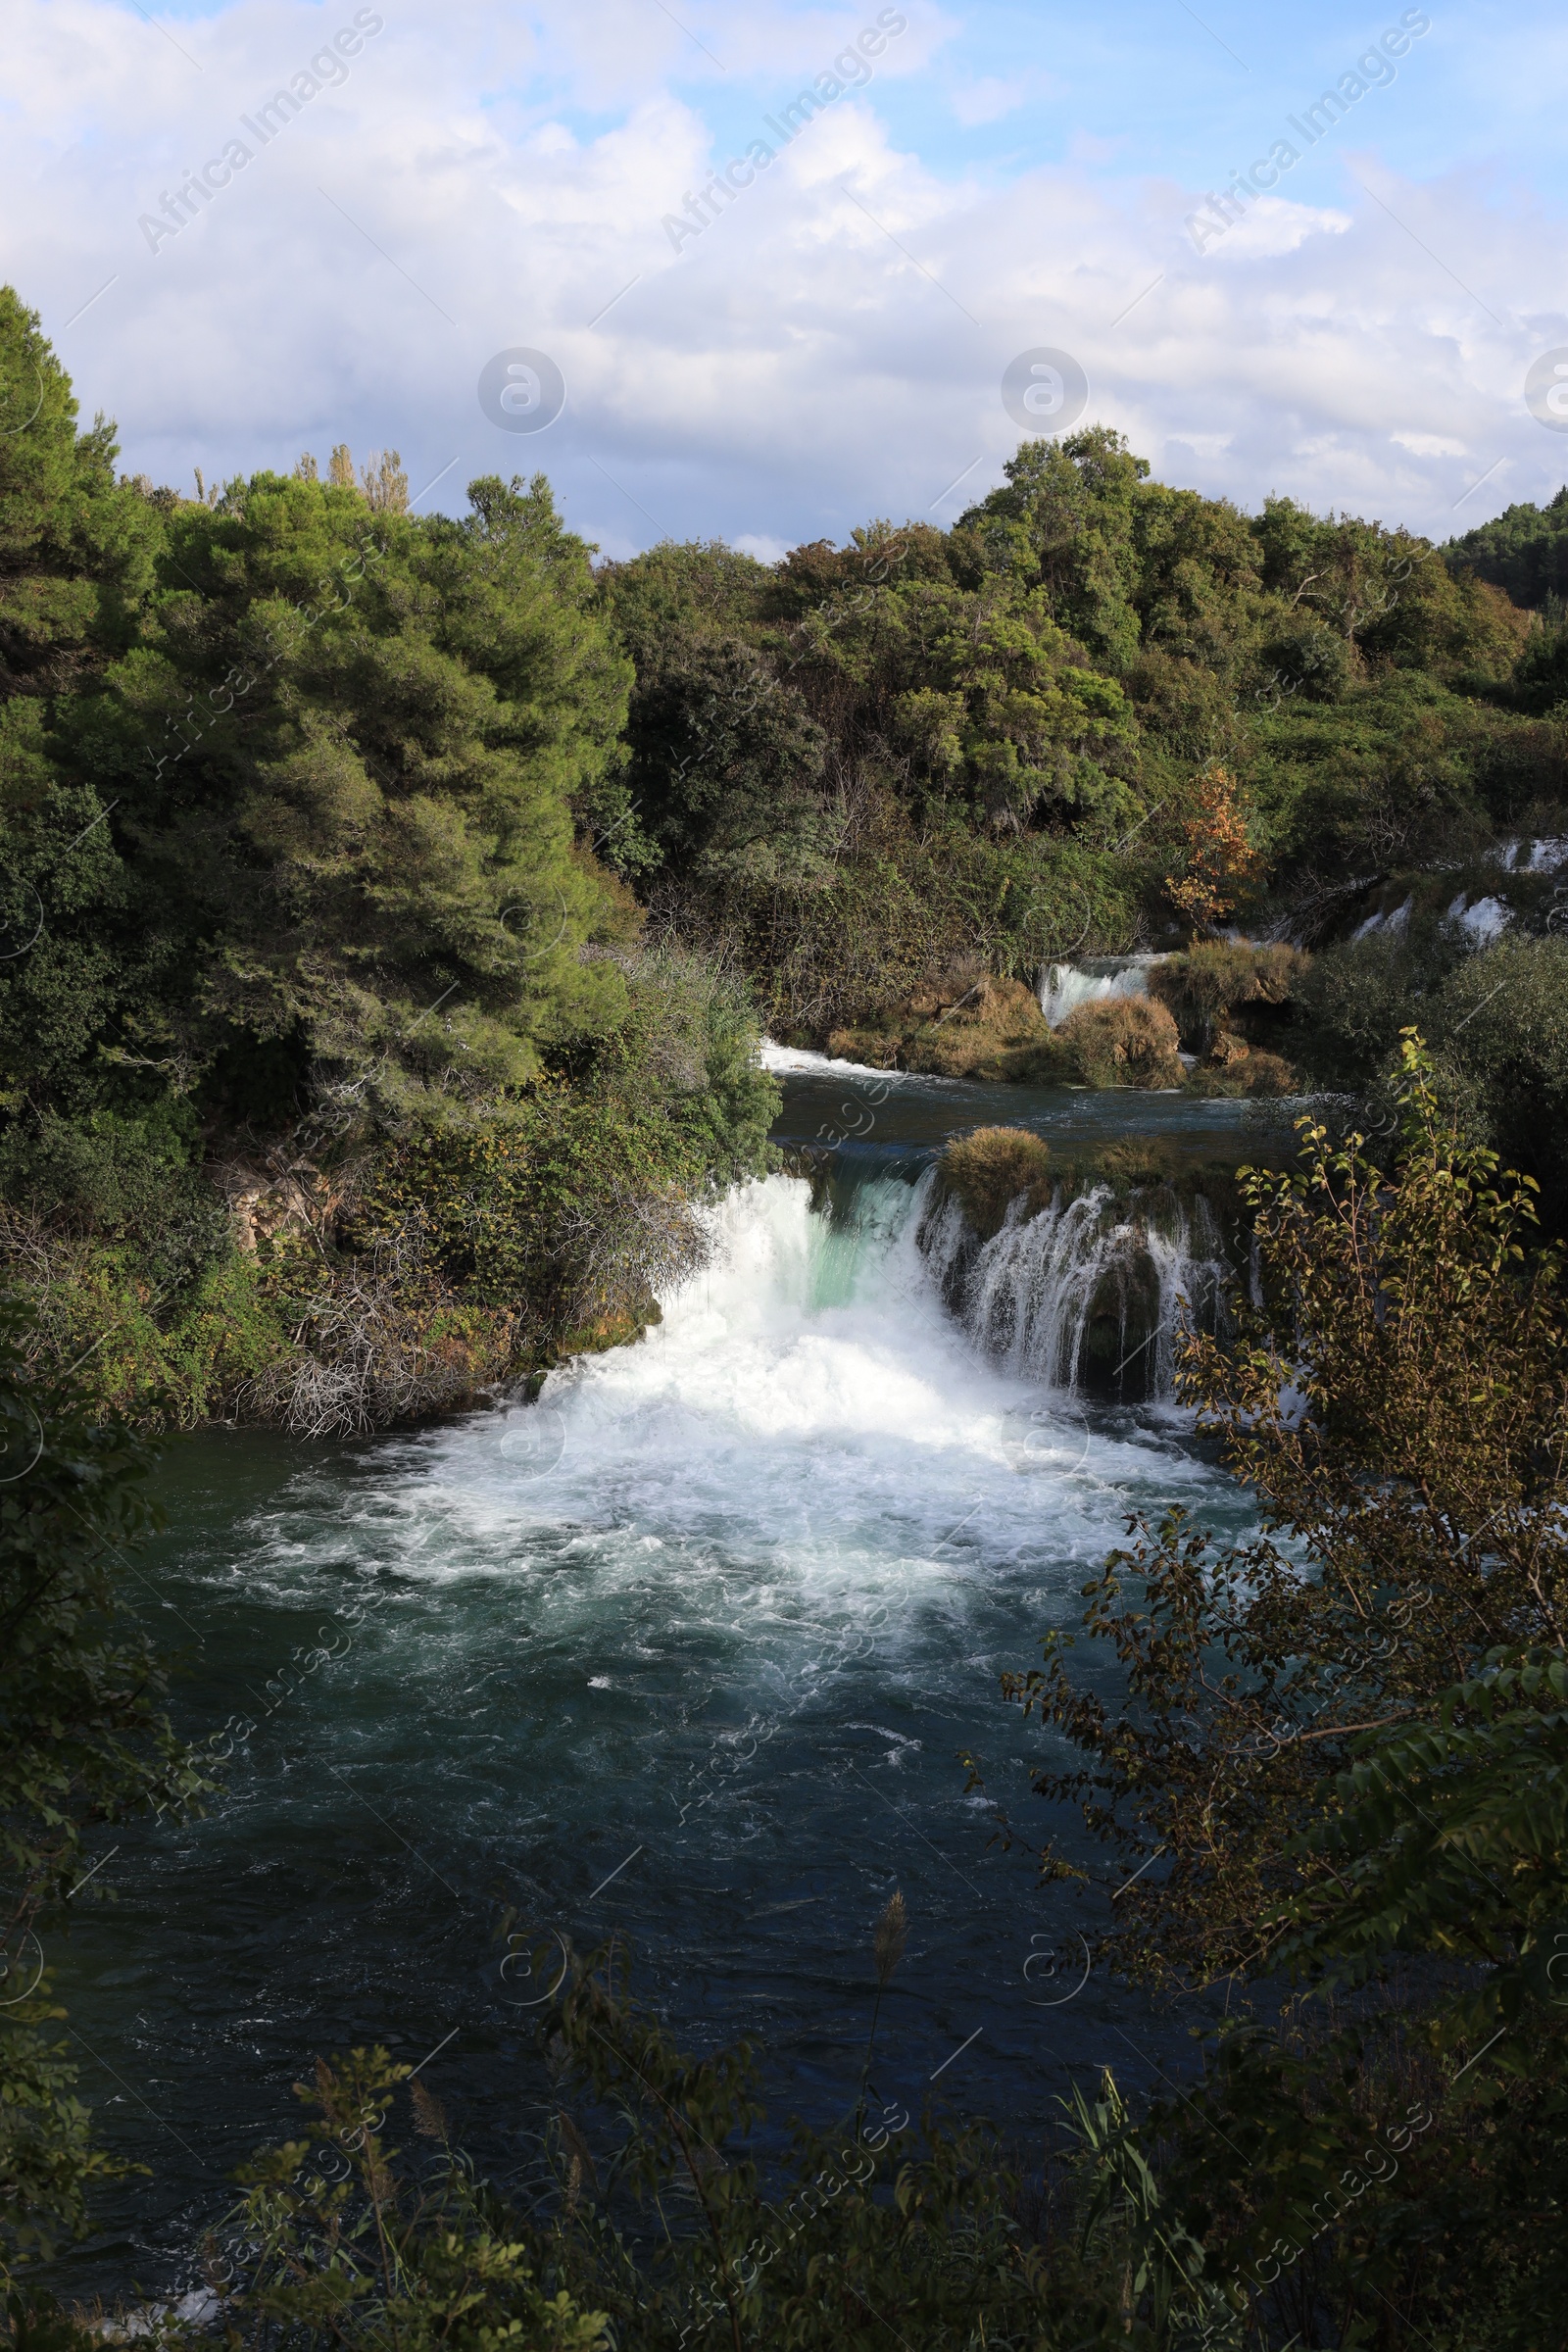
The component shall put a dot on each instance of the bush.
(1355, 999)
(987, 1171)
(1498, 1022)
(1201, 987)
(1126, 1041)
(1499, 1028)
(85, 1741)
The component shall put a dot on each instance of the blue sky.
(831, 347)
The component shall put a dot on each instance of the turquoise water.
(685, 1651)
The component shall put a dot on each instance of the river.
(685, 1652)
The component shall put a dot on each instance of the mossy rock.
(1206, 989)
(1139, 1162)
(995, 1030)
(1124, 1041)
(1234, 1067)
(989, 1169)
(877, 1049)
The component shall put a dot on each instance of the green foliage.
(884, 757)
(1397, 1402)
(1067, 523)
(174, 1358)
(48, 2162)
(1497, 1021)
(1524, 550)
(1451, 1839)
(1540, 674)
(578, 1200)
(342, 2246)
(653, 2226)
(377, 732)
(75, 553)
(1316, 2179)
(84, 1743)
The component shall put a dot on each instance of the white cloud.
(992, 98)
(1275, 225)
(807, 362)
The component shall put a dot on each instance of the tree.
(1066, 520)
(1221, 862)
(76, 552)
(1397, 1406)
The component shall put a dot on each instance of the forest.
(393, 903)
(393, 907)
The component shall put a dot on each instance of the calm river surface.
(685, 1651)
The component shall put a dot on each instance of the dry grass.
(1126, 1041)
(1201, 987)
(985, 1028)
(989, 1169)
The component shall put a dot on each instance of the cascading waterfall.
(1091, 1291)
(1063, 987)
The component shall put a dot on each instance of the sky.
(467, 233)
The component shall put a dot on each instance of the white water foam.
(1063, 987)
(808, 1413)
(798, 1061)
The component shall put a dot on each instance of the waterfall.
(1090, 1291)
(1063, 987)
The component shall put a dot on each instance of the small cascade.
(1089, 1292)
(1094, 980)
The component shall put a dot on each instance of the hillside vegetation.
(390, 905)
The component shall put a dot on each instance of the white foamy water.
(807, 1402)
(798, 1061)
(1063, 987)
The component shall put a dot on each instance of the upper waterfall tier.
(1094, 980)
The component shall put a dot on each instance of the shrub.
(1201, 987)
(1499, 1028)
(1127, 1041)
(85, 1742)
(989, 1169)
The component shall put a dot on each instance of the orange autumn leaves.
(1221, 863)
